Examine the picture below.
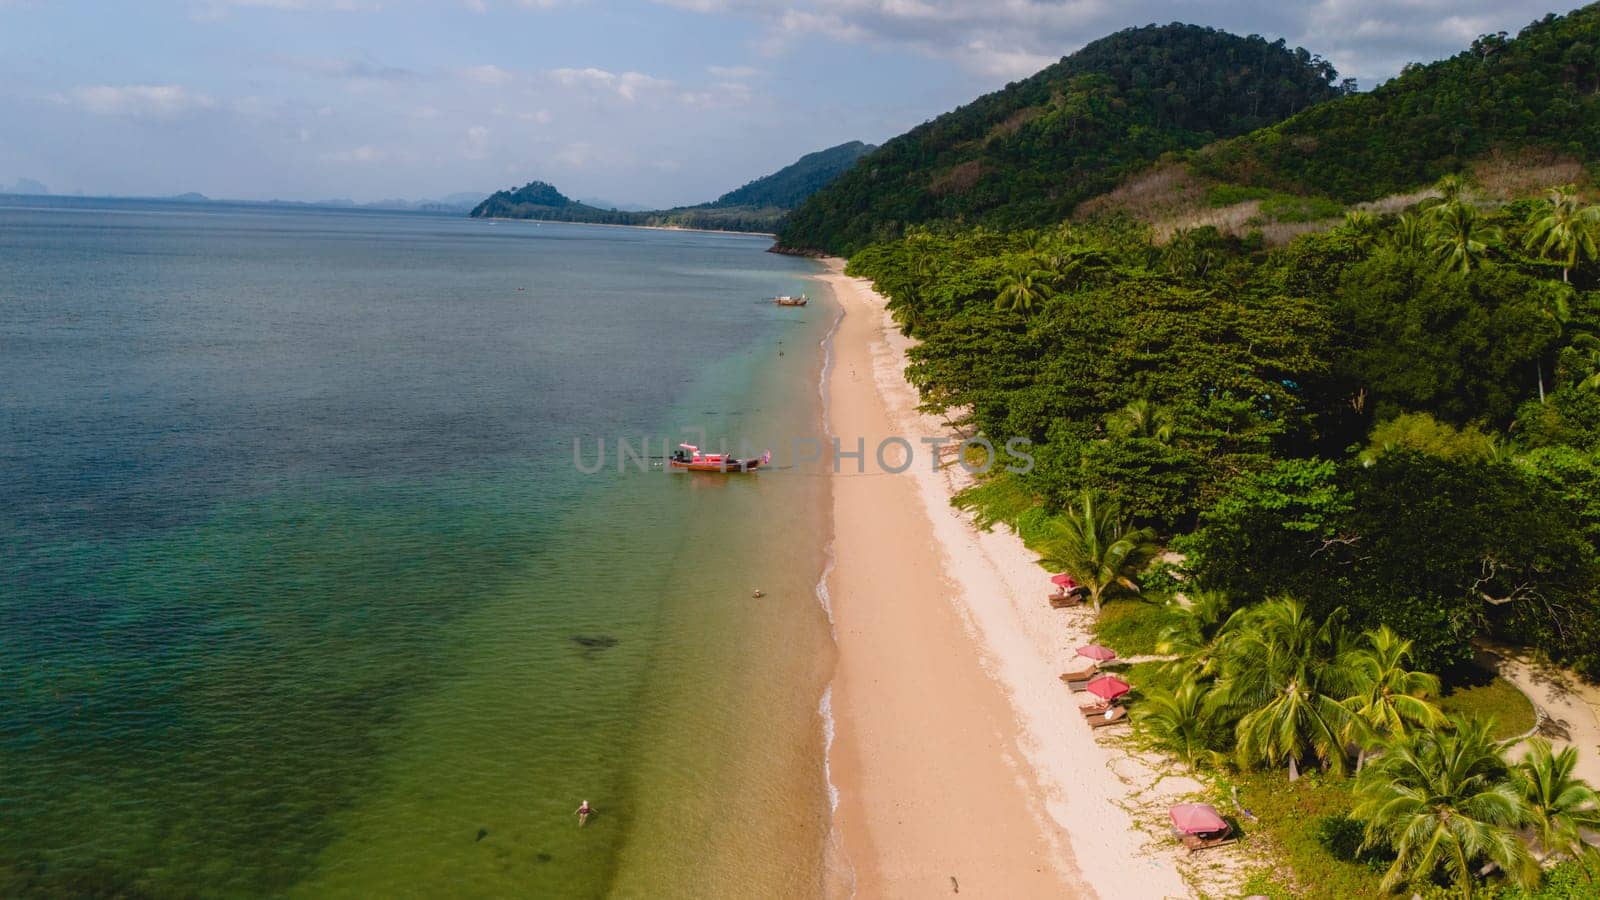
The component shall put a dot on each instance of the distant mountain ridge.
(757, 206)
(791, 185)
(1027, 154)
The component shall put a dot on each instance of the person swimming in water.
(584, 809)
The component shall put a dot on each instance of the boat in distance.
(787, 300)
(688, 458)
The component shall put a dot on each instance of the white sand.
(958, 751)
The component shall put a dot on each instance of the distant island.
(758, 206)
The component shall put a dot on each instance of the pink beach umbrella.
(1064, 580)
(1108, 687)
(1197, 818)
(1097, 652)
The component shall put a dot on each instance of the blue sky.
(657, 102)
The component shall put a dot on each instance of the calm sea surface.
(302, 594)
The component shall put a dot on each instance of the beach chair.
(1064, 601)
(1118, 714)
(1091, 710)
(1195, 842)
(1082, 673)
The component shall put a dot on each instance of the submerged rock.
(591, 644)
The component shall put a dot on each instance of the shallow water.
(303, 594)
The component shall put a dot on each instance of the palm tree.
(1451, 187)
(1142, 419)
(1554, 304)
(1560, 807)
(1196, 633)
(1091, 543)
(1588, 348)
(1182, 720)
(1460, 238)
(1390, 698)
(1360, 223)
(1286, 677)
(1410, 235)
(1023, 289)
(1444, 799)
(1565, 230)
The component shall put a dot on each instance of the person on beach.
(584, 809)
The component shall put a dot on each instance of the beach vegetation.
(1492, 698)
(1137, 626)
(1560, 806)
(1564, 229)
(1375, 449)
(1445, 801)
(1094, 544)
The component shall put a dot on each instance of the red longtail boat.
(689, 458)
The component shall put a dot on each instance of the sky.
(652, 102)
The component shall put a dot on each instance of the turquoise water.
(302, 593)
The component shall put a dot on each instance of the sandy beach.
(962, 763)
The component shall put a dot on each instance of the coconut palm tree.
(1181, 719)
(1360, 223)
(1092, 543)
(1142, 419)
(1443, 800)
(1195, 634)
(1560, 807)
(1452, 188)
(1390, 698)
(1409, 236)
(1285, 677)
(1023, 289)
(1564, 230)
(1460, 238)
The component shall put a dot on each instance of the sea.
(310, 586)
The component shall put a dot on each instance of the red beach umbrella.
(1197, 818)
(1108, 687)
(1064, 580)
(1097, 652)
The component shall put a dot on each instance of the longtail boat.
(689, 458)
(787, 300)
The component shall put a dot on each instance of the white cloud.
(577, 154)
(1004, 38)
(488, 74)
(359, 70)
(734, 73)
(218, 9)
(366, 153)
(477, 143)
(137, 101)
(627, 85)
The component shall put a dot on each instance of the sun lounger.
(1090, 710)
(1198, 842)
(1083, 674)
(1064, 601)
(1118, 714)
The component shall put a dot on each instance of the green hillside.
(758, 206)
(791, 185)
(1027, 154)
(1541, 88)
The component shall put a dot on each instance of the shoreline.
(960, 761)
(767, 234)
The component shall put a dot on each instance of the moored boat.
(688, 458)
(787, 300)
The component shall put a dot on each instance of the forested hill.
(791, 185)
(758, 206)
(1027, 154)
(1537, 89)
